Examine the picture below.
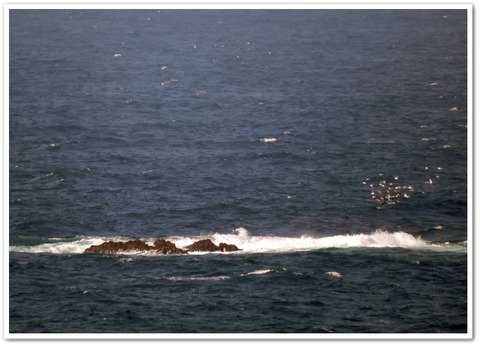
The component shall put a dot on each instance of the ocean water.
(330, 146)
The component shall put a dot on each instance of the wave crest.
(248, 243)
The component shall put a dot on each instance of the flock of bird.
(391, 190)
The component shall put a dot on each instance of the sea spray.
(248, 243)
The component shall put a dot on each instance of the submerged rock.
(160, 246)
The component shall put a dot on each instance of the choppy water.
(330, 146)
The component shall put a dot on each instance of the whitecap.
(50, 146)
(42, 176)
(268, 140)
(125, 260)
(64, 246)
(248, 243)
(335, 274)
(197, 278)
(258, 272)
(167, 82)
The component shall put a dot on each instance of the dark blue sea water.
(329, 145)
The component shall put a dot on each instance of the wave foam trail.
(197, 278)
(64, 246)
(248, 243)
(379, 239)
(258, 272)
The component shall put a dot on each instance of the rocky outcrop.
(160, 246)
(166, 247)
(228, 247)
(206, 245)
(118, 246)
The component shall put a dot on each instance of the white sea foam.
(67, 246)
(258, 272)
(42, 176)
(335, 274)
(248, 243)
(268, 140)
(198, 278)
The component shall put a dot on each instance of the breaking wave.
(257, 244)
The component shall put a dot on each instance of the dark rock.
(134, 245)
(166, 247)
(106, 247)
(228, 247)
(160, 246)
(114, 247)
(206, 245)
